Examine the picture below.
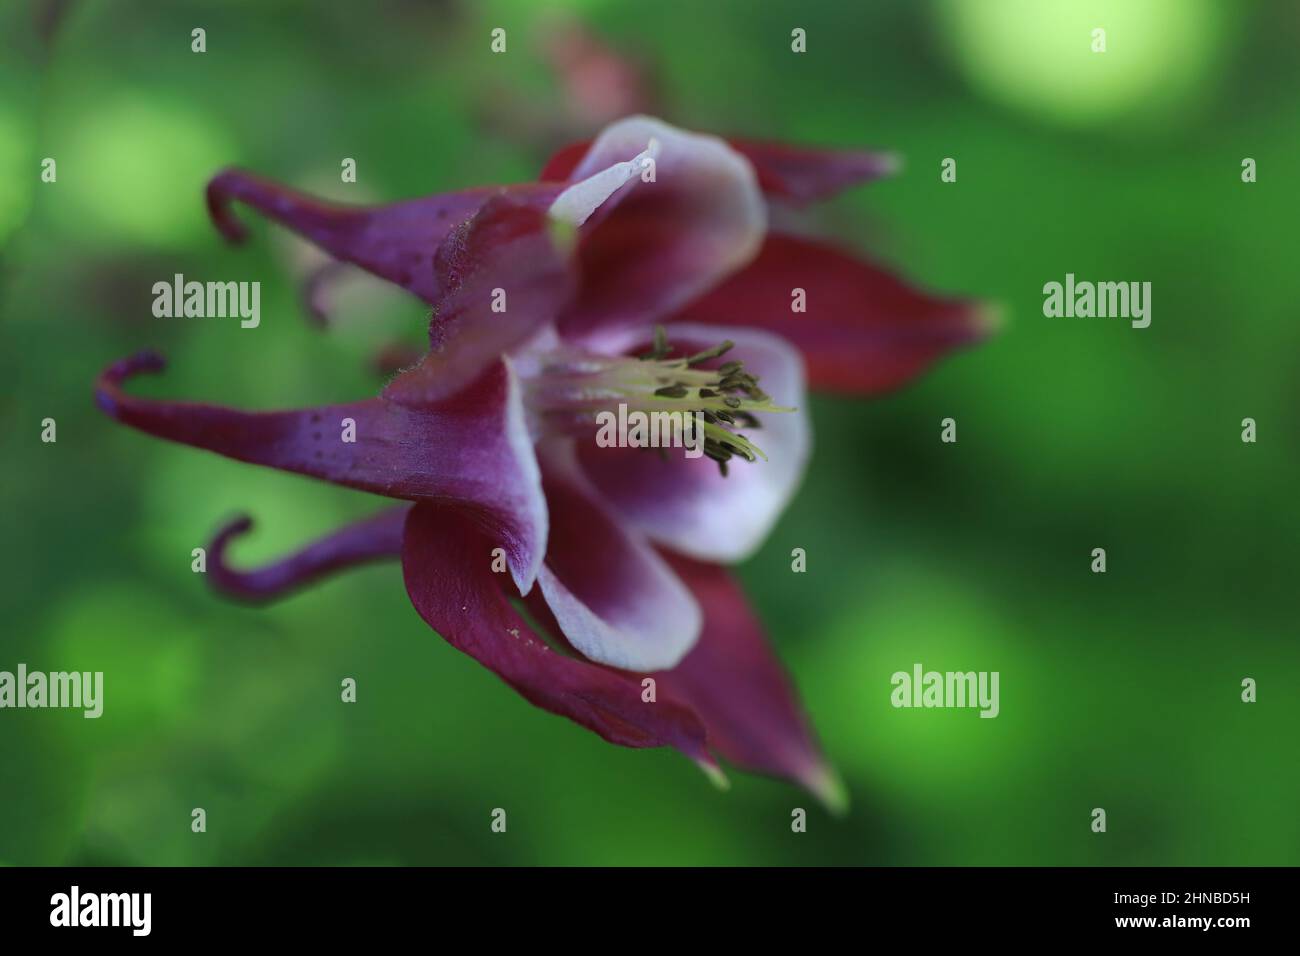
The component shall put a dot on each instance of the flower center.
(570, 391)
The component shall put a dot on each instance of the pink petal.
(864, 331)
(614, 598)
(447, 565)
(686, 504)
(664, 242)
(734, 682)
(471, 450)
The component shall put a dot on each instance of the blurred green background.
(1119, 690)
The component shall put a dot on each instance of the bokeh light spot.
(1037, 56)
(134, 168)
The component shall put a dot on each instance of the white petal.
(616, 600)
(576, 204)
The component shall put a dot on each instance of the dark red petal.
(505, 253)
(374, 539)
(799, 174)
(864, 331)
(447, 565)
(395, 242)
(472, 449)
(735, 683)
(791, 173)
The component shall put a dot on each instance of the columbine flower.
(545, 301)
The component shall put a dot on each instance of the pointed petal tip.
(714, 773)
(988, 319)
(825, 783)
(524, 578)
